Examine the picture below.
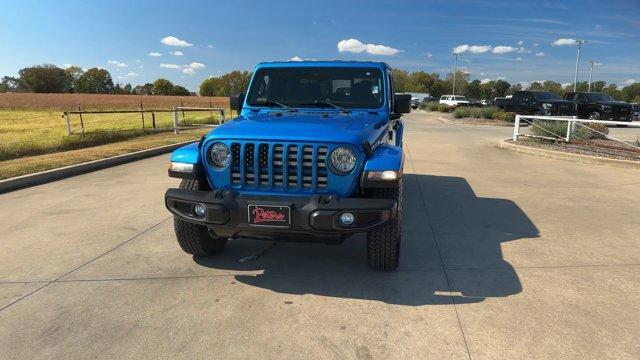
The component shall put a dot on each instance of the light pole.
(591, 72)
(455, 71)
(575, 78)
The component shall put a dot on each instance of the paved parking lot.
(504, 255)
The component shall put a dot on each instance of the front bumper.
(616, 115)
(315, 215)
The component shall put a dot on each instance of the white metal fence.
(572, 124)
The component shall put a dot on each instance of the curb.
(586, 159)
(20, 182)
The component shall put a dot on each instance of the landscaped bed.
(594, 147)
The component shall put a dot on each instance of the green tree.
(146, 89)
(95, 81)
(612, 90)
(400, 80)
(44, 79)
(462, 79)
(180, 91)
(11, 84)
(550, 86)
(73, 73)
(629, 93)
(162, 87)
(473, 89)
(501, 87)
(514, 88)
(227, 84)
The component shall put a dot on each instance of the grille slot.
(291, 167)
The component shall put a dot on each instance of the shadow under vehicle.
(448, 230)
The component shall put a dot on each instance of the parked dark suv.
(539, 103)
(599, 106)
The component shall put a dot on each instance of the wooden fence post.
(68, 116)
(182, 105)
(142, 113)
(153, 119)
(175, 121)
(81, 121)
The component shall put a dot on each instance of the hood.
(327, 127)
(614, 103)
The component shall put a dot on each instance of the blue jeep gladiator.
(315, 154)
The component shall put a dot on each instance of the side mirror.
(402, 103)
(236, 101)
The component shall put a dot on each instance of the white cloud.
(501, 49)
(460, 49)
(630, 81)
(296, 58)
(429, 55)
(561, 42)
(519, 58)
(567, 84)
(196, 65)
(479, 49)
(188, 71)
(524, 84)
(171, 66)
(356, 46)
(176, 53)
(485, 81)
(155, 54)
(540, 54)
(138, 61)
(117, 63)
(66, 66)
(520, 43)
(211, 46)
(132, 74)
(522, 50)
(536, 44)
(174, 41)
(501, 78)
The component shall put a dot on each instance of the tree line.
(431, 83)
(52, 79)
(48, 78)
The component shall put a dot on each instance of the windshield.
(599, 97)
(305, 86)
(546, 96)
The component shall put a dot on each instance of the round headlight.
(220, 154)
(343, 159)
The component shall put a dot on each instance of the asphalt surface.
(504, 255)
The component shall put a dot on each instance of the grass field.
(32, 127)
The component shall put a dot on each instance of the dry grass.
(36, 132)
(64, 102)
(33, 164)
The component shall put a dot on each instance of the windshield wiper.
(328, 103)
(271, 103)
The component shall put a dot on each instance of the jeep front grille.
(291, 167)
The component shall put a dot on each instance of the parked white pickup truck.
(454, 100)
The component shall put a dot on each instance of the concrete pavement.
(504, 255)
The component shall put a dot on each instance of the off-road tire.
(383, 243)
(196, 239)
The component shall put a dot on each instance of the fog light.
(347, 219)
(199, 209)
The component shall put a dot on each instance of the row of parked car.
(585, 105)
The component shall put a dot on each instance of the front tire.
(383, 243)
(594, 116)
(196, 239)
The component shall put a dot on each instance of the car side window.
(581, 98)
(518, 96)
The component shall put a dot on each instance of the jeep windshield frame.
(305, 87)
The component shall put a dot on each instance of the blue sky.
(506, 39)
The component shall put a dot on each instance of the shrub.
(432, 106)
(505, 116)
(559, 129)
(444, 108)
(461, 112)
(488, 112)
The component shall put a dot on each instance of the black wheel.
(594, 115)
(383, 243)
(196, 239)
